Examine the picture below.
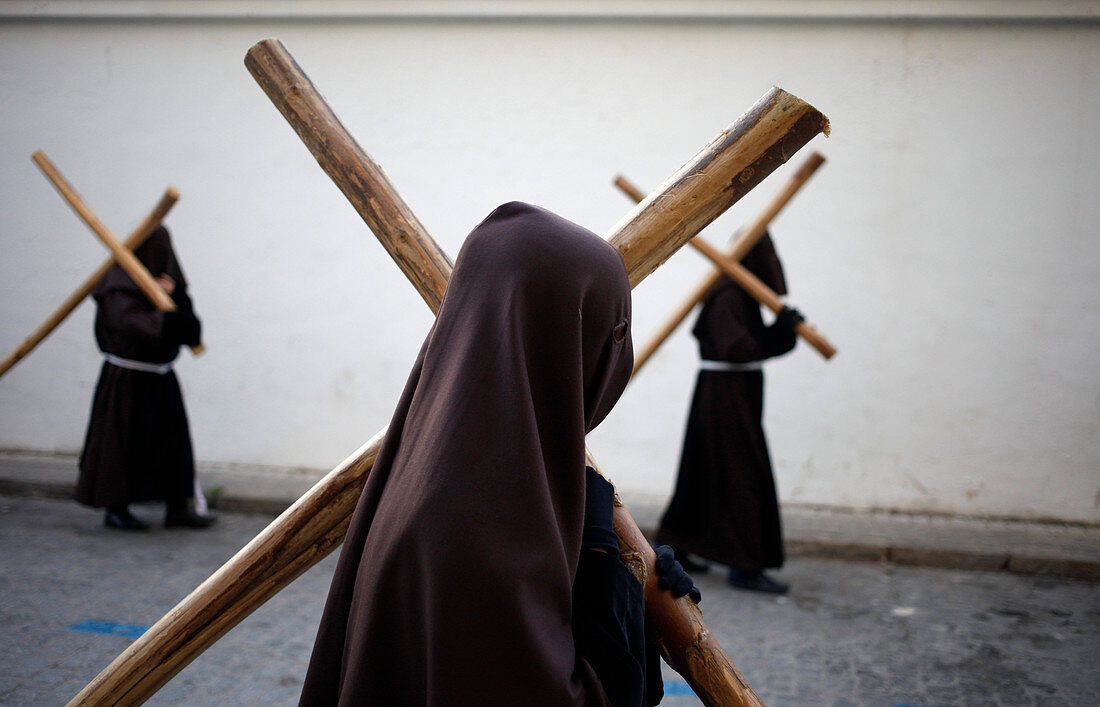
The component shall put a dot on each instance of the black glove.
(671, 575)
(788, 318)
(182, 326)
(599, 503)
(779, 338)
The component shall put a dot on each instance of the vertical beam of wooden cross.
(737, 272)
(315, 524)
(744, 242)
(136, 238)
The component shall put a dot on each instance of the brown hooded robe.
(454, 582)
(724, 507)
(138, 444)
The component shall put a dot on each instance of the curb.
(946, 559)
(886, 553)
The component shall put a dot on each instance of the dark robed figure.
(138, 444)
(455, 582)
(724, 507)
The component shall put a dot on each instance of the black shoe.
(756, 581)
(188, 519)
(122, 520)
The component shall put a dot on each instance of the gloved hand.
(671, 575)
(599, 502)
(182, 326)
(779, 338)
(788, 318)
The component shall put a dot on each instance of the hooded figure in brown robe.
(454, 583)
(724, 507)
(138, 444)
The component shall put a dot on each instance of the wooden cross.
(777, 126)
(121, 254)
(730, 265)
(135, 239)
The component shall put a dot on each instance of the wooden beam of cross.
(136, 238)
(315, 524)
(739, 274)
(744, 242)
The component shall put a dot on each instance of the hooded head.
(158, 257)
(763, 262)
(549, 303)
(465, 543)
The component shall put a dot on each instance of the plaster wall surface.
(948, 246)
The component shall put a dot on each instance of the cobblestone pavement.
(847, 634)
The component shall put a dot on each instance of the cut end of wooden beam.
(628, 188)
(172, 193)
(746, 152)
(270, 45)
(826, 127)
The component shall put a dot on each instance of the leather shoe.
(188, 519)
(123, 521)
(756, 581)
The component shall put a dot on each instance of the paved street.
(848, 633)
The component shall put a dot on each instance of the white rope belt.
(706, 365)
(158, 368)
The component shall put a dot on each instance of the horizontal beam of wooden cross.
(136, 238)
(315, 524)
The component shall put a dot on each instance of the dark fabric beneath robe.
(454, 584)
(138, 443)
(724, 507)
(609, 628)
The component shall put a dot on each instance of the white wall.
(948, 247)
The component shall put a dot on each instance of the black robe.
(455, 582)
(138, 444)
(724, 507)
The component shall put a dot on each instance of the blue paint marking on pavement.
(677, 687)
(110, 628)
